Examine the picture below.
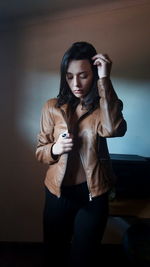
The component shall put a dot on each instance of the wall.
(30, 52)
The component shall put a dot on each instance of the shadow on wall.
(21, 185)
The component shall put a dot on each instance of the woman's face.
(79, 77)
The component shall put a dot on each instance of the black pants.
(74, 226)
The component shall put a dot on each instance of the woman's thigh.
(58, 218)
(58, 221)
(89, 226)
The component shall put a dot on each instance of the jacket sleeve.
(45, 139)
(111, 123)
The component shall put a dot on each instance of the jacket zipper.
(90, 197)
(90, 194)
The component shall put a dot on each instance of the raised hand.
(103, 64)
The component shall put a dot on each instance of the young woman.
(72, 141)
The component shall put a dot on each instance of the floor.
(125, 239)
(32, 255)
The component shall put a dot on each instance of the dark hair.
(78, 51)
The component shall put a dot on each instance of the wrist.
(103, 76)
(53, 152)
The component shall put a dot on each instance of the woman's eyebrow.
(78, 72)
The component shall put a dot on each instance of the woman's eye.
(83, 76)
(69, 77)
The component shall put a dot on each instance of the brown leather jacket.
(105, 121)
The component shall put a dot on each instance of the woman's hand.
(103, 64)
(63, 145)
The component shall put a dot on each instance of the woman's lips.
(78, 91)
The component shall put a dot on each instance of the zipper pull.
(90, 197)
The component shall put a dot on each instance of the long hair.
(78, 51)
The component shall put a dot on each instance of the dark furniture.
(133, 175)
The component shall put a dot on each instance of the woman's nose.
(76, 81)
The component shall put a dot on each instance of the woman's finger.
(102, 57)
